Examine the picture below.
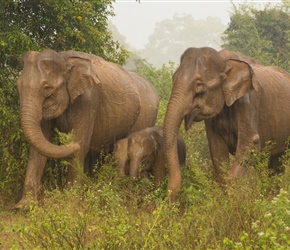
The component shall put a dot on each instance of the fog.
(136, 21)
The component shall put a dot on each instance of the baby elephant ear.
(81, 77)
(157, 138)
(238, 80)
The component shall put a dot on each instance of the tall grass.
(114, 213)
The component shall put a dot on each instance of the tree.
(36, 25)
(263, 34)
(59, 25)
(173, 36)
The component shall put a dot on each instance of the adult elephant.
(97, 100)
(243, 103)
(145, 148)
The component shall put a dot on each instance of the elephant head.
(48, 84)
(143, 148)
(205, 82)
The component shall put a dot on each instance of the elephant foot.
(25, 203)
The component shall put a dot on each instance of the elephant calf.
(145, 147)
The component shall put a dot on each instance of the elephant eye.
(200, 87)
(47, 90)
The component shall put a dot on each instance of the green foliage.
(134, 214)
(271, 229)
(65, 25)
(260, 33)
(161, 78)
(13, 146)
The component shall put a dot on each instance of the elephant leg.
(159, 168)
(218, 149)
(275, 165)
(76, 166)
(90, 161)
(276, 168)
(248, 136)
(32, 183)
(83, 135)
(34, 172)
(123, 166)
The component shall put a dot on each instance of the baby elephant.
(145, 148)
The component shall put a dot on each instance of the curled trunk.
(30, 121)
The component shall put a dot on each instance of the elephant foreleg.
(32, 183)
(248, 136)
(76, 165)
(75, 169)
(159, 168)
(276, 165)
(219, 151)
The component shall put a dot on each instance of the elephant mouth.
(51, 111)
(191, 117)
(197, 114)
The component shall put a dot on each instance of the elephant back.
(149, 102)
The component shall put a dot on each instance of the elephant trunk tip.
(75, 147)
(174, 184)
(70, 149)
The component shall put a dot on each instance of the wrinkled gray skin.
(73, 91)
(243, 103)
(145, 148)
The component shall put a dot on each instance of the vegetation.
(263, 34)
(107, 212)
(115, 213)
(60, 25)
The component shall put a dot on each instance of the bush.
(119, 213)
(13, 146)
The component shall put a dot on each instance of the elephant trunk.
(122, 166)
(172, 122)
(30, 121)
(134, 167)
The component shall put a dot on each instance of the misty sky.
(136, 21)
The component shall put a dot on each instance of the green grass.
(114, 213)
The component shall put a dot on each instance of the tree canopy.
(59, 25)
(262, 33)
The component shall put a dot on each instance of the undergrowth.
(114, 213)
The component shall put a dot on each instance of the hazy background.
(152, 29)
(136, 21)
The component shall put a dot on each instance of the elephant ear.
(238, 80)
(158, 139)
(81, 78)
